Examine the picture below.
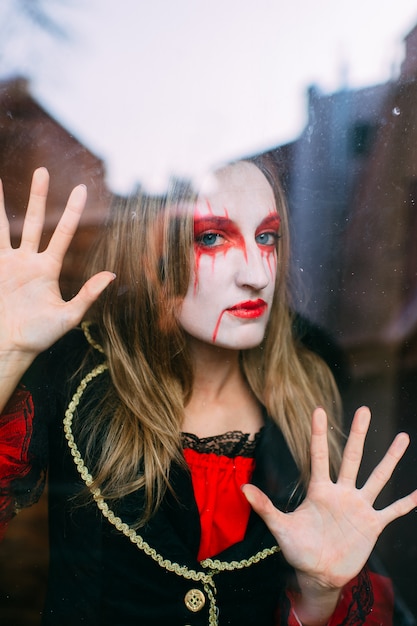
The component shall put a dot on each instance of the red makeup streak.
(216, 330)
(250, 309)
(198, 214)
(270, 255)
(231, 236)
(216, 225)
(269, 224)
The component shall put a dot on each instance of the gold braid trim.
(215, 565)
(86, 330)
(221, 566)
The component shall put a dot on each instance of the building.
(29, 138)
(352, 190)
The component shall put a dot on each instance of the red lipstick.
(249, 309)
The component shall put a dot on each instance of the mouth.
(250, 309)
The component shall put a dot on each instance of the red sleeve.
(16, 427)
(368, 600)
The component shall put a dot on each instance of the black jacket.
(100, 576)
(102, 573)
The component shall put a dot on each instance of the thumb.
(277, 521)
(94, 286)
(88, 293)
(263, 506)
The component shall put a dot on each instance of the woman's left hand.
(330, 536)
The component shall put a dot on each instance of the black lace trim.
(362, 601)
(231, 444)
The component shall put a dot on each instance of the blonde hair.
(136, 426)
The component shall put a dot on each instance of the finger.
(35, 213)
(319, 446)
(352, 454)
(383, 471)
(398, 509)
(89, 292)
(68, 224)
(262, 505)
(4, 222)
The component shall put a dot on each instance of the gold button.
(194, 600)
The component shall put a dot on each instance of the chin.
(241, 343)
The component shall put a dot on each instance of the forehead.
(236, 189)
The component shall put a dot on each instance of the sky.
(160, 88)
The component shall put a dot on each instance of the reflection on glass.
(351, 182)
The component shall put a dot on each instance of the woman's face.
(232, 283)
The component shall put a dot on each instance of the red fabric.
(366, 600)
(15, 434)
(224, 510)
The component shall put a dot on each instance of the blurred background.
(126, 96)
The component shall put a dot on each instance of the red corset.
(217, 479)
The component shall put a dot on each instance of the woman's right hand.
(33, 314)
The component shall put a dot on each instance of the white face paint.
(232, 282)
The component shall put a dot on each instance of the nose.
(253, 271)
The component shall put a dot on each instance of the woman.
(178, 421)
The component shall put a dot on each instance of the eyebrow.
(220, 222)
(271, 221)
(214, 222)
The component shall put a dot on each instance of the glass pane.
(127, 97)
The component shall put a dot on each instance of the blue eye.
(267, 239)
(209, 239)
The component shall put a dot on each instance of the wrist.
(13, 364)
(314, 603)
(12, 359)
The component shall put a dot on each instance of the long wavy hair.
(134, 433)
